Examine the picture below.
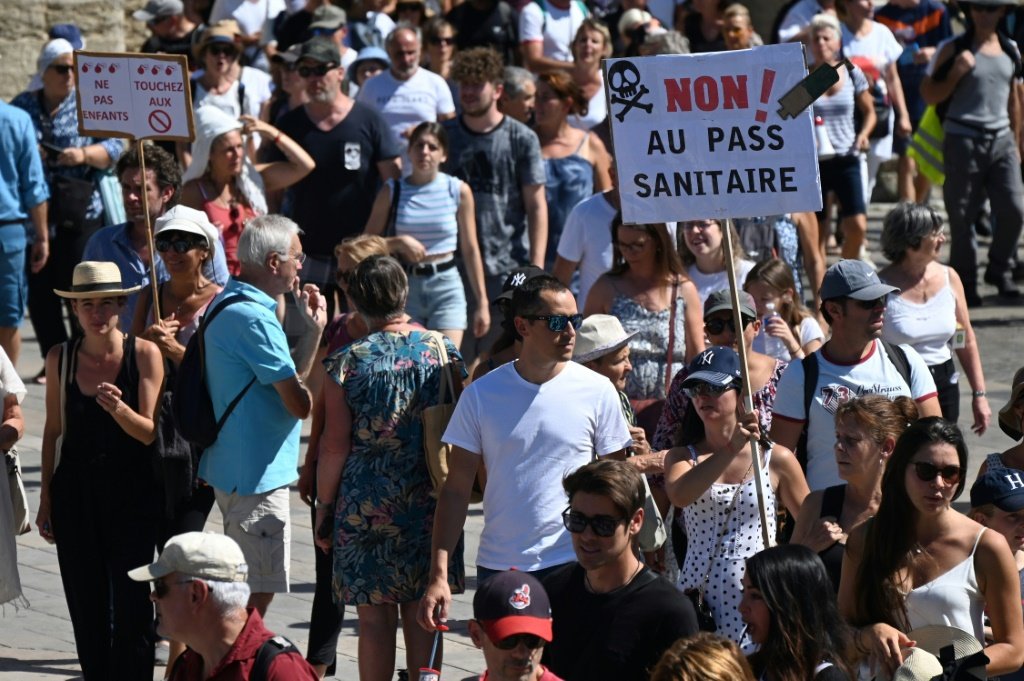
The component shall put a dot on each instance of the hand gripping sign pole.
(140, 97)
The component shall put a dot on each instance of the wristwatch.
(978, 393)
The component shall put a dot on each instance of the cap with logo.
(718, 365)
(722, 300)
(853, 279)
(159, 9)
(197, 554)
(1001, 487)
(517, 278)
(511, 603)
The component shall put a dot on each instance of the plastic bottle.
(774, 347)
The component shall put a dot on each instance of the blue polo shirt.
(22, 184)
(114, 244)
(258, 447)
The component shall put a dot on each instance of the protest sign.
(144, 96)
(702, 136)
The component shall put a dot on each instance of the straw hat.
(943, 654)
(599, 335)
(1008, 421)
(96, 280)
(224, 31)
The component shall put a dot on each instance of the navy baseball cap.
(718, 365)
(510, 603)
(1002, 487)
(853, 279)
(517, 278)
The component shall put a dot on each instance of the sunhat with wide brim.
(943, 653)
(96, 280)
(1008, 421)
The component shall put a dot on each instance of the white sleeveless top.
(926, 327)
(952, 599)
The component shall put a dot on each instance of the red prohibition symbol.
(160, 121)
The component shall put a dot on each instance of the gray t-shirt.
(496, 165)
(837, 112)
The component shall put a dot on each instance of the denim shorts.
(13, 277)
(438, 301)
(841, 174)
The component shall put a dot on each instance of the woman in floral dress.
(372, 478)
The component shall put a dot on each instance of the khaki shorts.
(261, 525)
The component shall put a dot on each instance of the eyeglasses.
(602, 525)
(870, 304)
(557, 322)
(633, 247)
(297, 257)
(320, 70)
(708, 389)
(180, 246)
(62, 69)
(448, 42)
(531, 641)
(222, 51)
(161, 587)
(717, 326)
(926, 472)
(343, 278)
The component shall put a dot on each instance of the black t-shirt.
(618, 636)
(293, 30)
(495, 27)
(334, 201)
(182, 45)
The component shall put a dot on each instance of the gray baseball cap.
(330, 17)
(853, 279)
(158, 9)
(722, 300)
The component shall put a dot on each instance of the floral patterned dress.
(385, 512)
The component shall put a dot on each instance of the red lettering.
(705, 91)
(678, 94)
(734, 91)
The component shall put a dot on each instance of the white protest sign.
(699, 136)
(144, 96)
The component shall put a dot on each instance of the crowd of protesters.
(398, 212)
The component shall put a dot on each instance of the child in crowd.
(771, 283)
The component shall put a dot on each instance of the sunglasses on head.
(602, 525)
(557, 322)
(222, 50)
(442, 41)
(717, 326)
(531, 641)
(320, 70)
(62, 69)
(926, 472)
(705, 389)
(161, 588)
(180, 246)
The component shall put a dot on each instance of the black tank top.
(832, 557)
(91, 436)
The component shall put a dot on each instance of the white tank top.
(926, 327)
(952, 599)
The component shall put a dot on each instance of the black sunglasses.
(870, 304)
(557, 322)
(320, 70)
(717, 326)
(180, 246)
(926, 472)
(62, 69)
(222, 50)
(602, 525)
(161, 588)
(442, 41)
(531, 641)
(706, 389)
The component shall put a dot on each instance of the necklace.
(591, 589)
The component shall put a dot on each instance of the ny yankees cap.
(718, 365)
(510, 603)
(1001, 487)
(515, 279)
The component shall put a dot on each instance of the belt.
(14, 221)
(430, 268)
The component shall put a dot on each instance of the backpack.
(270, 649)
(191, 405)
(896, 355)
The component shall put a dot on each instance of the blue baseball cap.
(718, 365)
(1002, 487)
(853, 279)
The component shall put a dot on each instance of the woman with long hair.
(98, 498)
(703, 657)
(867, 428)
(919, 561)
(790, 611)
(930, 308)
(227, 186)
(702, 250)
(773, 287)
(433, 218)
(645, 288)
(576, 163)
(593, 42)
(710, 476)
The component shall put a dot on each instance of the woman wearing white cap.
(100, 504)
(225, 184)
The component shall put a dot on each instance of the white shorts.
(261, 525)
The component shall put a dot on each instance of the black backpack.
(191, 405)
(270, 649)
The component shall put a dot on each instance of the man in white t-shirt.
(586, 241)
(546, 31)
(406, 94)
(530, 422)
(851, 363)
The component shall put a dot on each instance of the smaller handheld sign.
(803, 94)
(143, 96)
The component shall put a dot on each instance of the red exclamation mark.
(766, 91)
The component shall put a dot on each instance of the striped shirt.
(428, 213)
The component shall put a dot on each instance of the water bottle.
(774, 347)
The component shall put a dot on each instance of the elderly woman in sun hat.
(100, 504)
(225, 184)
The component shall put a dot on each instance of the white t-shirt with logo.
(553, 26)
(837, 383)
(531, 436)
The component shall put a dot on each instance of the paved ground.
(37, 643)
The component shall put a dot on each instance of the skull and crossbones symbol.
(624, 81)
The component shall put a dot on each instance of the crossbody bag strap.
(391, 228)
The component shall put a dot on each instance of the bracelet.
(978, 393)
(323, 504)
